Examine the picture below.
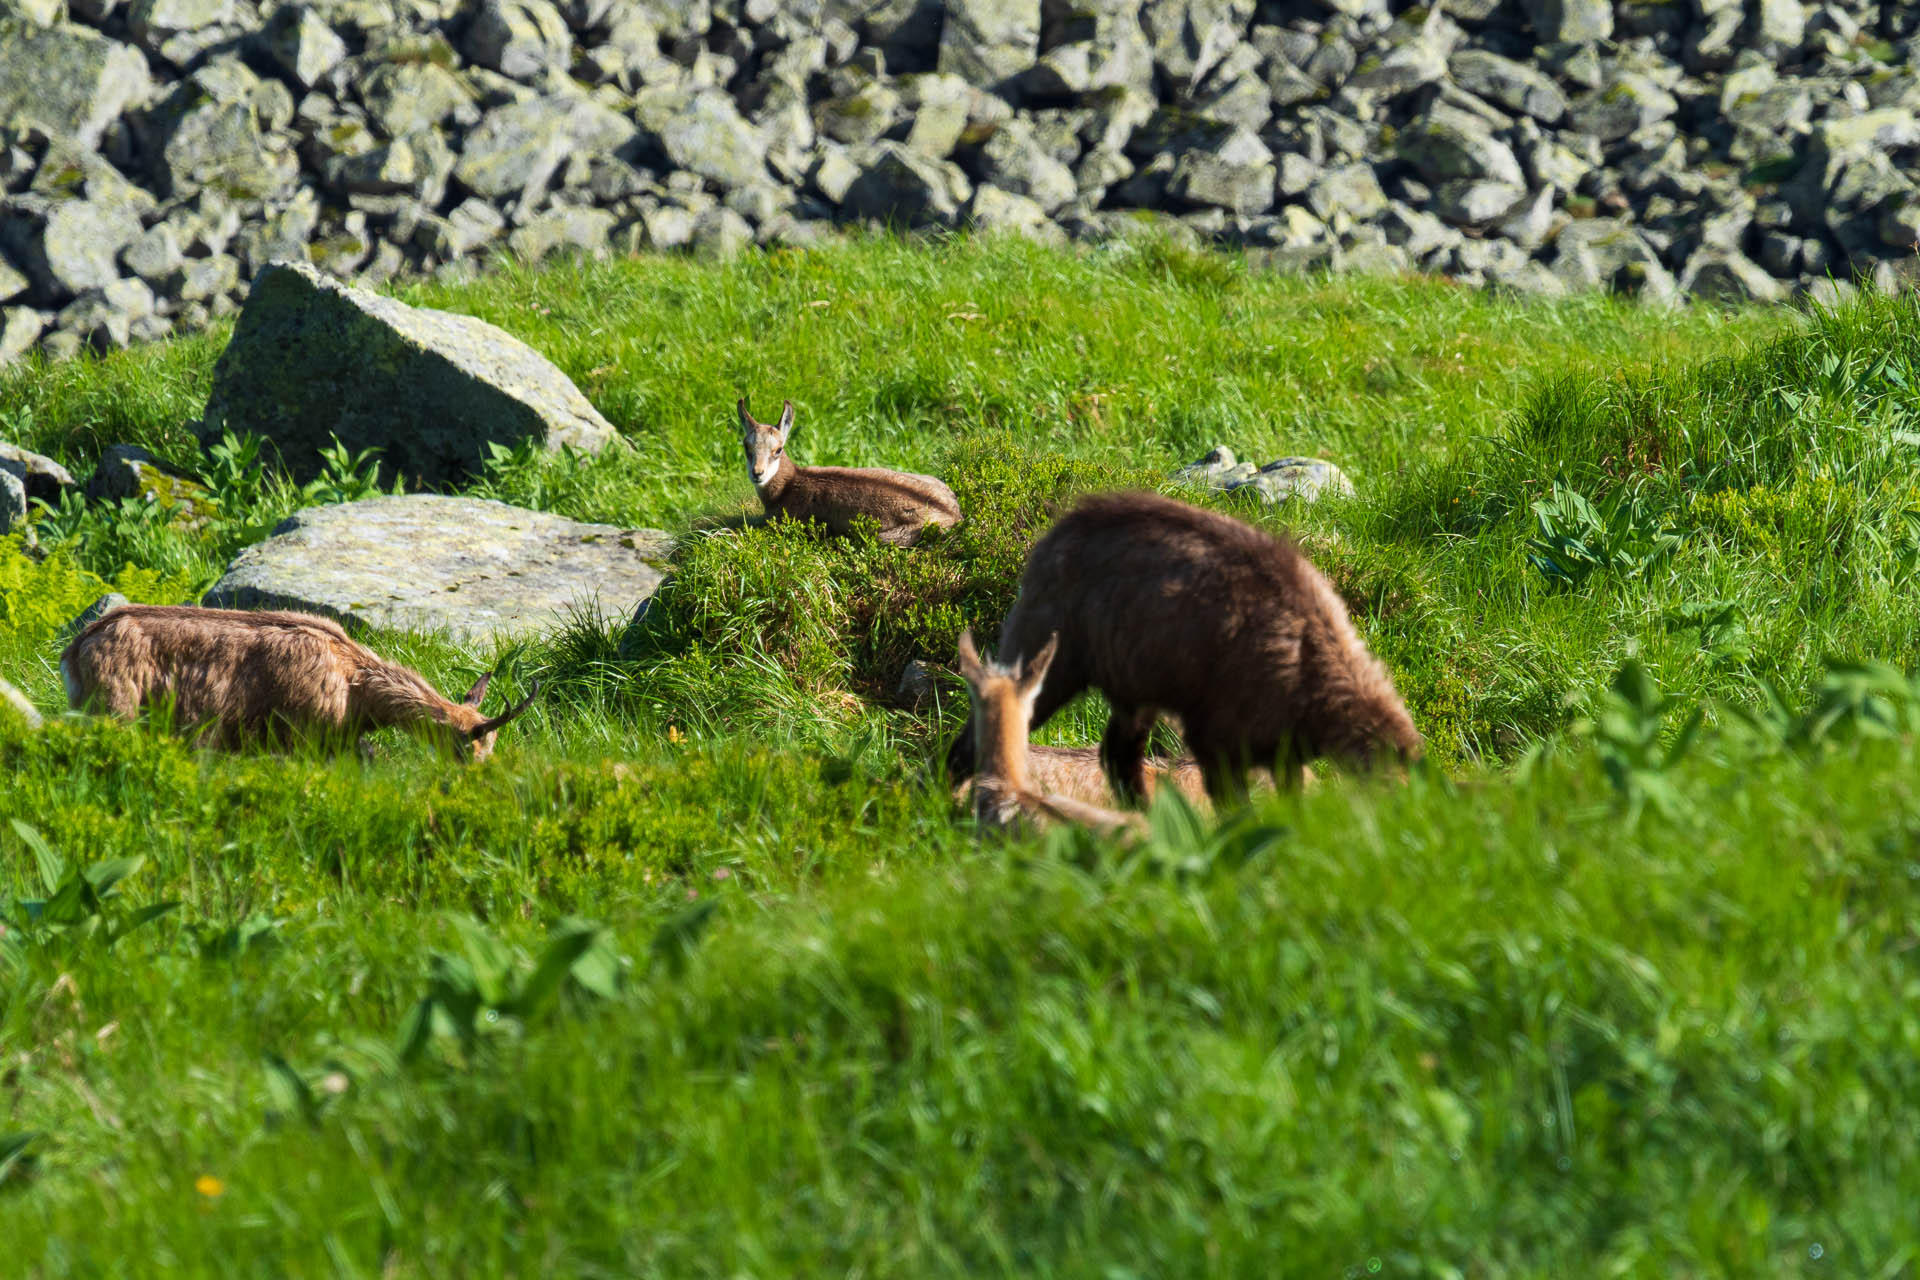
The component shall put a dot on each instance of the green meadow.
(705, 974)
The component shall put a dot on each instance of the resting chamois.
(1002, 701)
(241, 677)
(902, 502)
(1166, 608)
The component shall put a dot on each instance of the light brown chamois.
(1003, 795)
(239, 678)
(1166, 608)
(902, 502)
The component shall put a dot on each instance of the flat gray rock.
(468, 567)
(17, 703)
(312, 359)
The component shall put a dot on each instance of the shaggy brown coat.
(240, 677)
(1166, 608)
(1003, 795)
(904, 503)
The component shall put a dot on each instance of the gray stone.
(470, 225)
(13, 283)
(1110, 53)
(901, 186)
(20, 328)
(105, 317)
(1899, 224)
(303, 45)
(66, 246)
(577, 227)
(1281, 480)
(203, 279)
(1607, 254)
(994, 211)
(916, 689)
(516, 149)
(720, 233)
(1449, 143)
(70, 79)
(989, 42)
(14, 701)
(41, 13)
(1466, 202)
(468, 568)
(523, 39)
(178, 30)
(281, 236)
(1013, 160)
(13, 511)
(154, 254)
(312, 359)
(405, 97)
(1216, 469)
(1411, 65)
(1529, 225)
(1187, 37)
(1570, 21)
(1781, 24)
(860, 116)
(709, 137)
(1232, 171)
(1351, 190)
(206, 135)
(44, 478)
(1417, 232)
(939, 105)
(1514, 85)
(1720, 275)
(127, 471)
(1630, 102)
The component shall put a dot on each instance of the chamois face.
(470, 736)
(764, 445)
(1003, 697)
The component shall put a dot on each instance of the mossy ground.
(1597, 992)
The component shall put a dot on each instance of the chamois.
(1002, 701)
(1165, 607)
(902, 502)
(242, 677)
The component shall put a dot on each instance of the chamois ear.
(506, 717)
(746, 419)
(786, 420)
(1033, 672)
(478, 691)
(970, 665)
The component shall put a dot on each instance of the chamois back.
(904, 503)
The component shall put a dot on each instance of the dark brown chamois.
(1169, 609)
(902, 502)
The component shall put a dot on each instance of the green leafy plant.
(1629, 730)
(1575, 538)
(346, 476)
(79, 903)
(491, 988)
(1721, 630)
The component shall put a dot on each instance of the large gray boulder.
(1570, 21)
(901, 186)
(16, 703)
(312, 359)
(1514, 85)
(1447, 142)
(988, 42)
(467, 567)
(70, 79)
(43, 478)
(709, 137)
(66, 247)
(519, 38)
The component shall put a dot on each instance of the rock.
(861, 116)
(916, 689)
(1608, 254)
(1630, 102)
(13, 501)
(901, 186)
(178, 30)
(13, 284)
(1781, 24)
(1449, 143)
(1110, 52)
(1411, 65)
(106, 318)
(99, 609)
(1899, 224)
(126, 471)
(1013, 160)
(1720, 275)
(20, 328)
(312, 359)
(993, 210)
(41, 13)
(939, 105)
(1466, 202)
(1570, 21)
(709, 137)
(989, 42)
(72, 80)
(1415, 231)
(472, 569)
(43, 478)
(1350, 190)
(721, 233)
(154, 254)
(1529, 226)
(1187, 37)
(522, 39)
(567, 227)
(281, 236)
(206, 134)
(203, 279)
(303, 45)
(1514, 85)
(403, 98)
(1281, 480)
(1233, 171)
(14, 701)
(1216, 469)
(66, 246)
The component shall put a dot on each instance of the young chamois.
(242, 678)
(904, 503)
(1166, 608)
(1003, 796)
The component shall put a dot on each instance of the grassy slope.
(1496, 1030)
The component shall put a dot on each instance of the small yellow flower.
(209, 1186)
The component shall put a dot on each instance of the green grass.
(1622, 983)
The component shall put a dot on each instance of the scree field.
(704, 974)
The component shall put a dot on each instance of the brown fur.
(241, 677)
(903, 502)
(1166, 608)
(1003, 794)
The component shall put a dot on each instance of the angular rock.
(405, 97)
(1351, 190)
(203, 279)
(43, 478)
(312, 359)
(568, 227)
(99, 609)
(1188, 37)
(516, 149)
(13, 283)
(1514, 85)
(72, 80)
(1570, 21)
(522, 39)
(177, 30)
(1630, 102)
(1108, 51)
(20, 328)
(469, 568)
(1720, 275)
(303, 45)
(154, 254)
(1232, 171)
(1607, 254)
(207, 134)
(282, 236)
(720, 233)
(106, 318)
(127, 471)
(709, 137)
(901, 186)
(989, 42)
(13, 511)
(1449, 143)
(1013, 160)
(65, 246)
(1466, 202)
(994, 211)
(860, 116)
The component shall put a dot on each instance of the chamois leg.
(1123, 751)
(1223, 765)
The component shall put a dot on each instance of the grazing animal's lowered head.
(1003, 697)
(239, 678)
(901, 503)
